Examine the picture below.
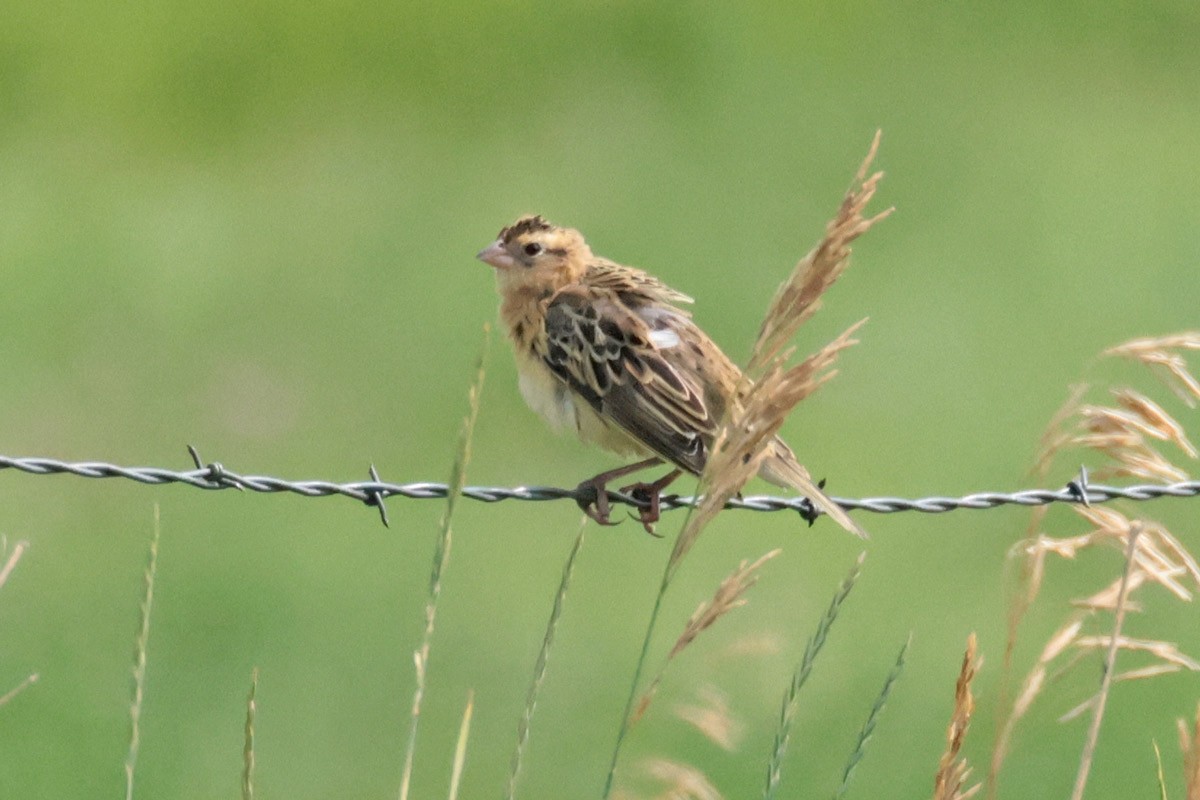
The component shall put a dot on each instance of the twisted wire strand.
(214, 476)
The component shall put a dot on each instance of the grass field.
(251, 228)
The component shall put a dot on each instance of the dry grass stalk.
(711, 716)
(1056, 436)
(953, 771)
(1161, 356)
(750, 426)
(1062, 639)
(1106, 598)
(1159, 422)
(682, 782)
(1160, 558)
(1122, 434)
(1106, 679)
(1070, 638)
(30, 680)
(249, 756)
(730, 594)
(1152, 671)
(1028, 583)
(1189, 745)
(755, 644)
(11, 563)
(1034, 682)
(799, 297)
(141, 645)
(1162, 779)
(460, 747)
(762, 402)
(1166, 651)
(771, 391)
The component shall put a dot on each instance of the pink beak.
(496, 255)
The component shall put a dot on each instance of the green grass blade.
(787, 714)
(441, 557)
(643, 655)
(539, 669)
(627, 715)
(868, 729)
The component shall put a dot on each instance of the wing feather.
(632, 284)
(603, 351)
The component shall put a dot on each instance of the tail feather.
(781, 468)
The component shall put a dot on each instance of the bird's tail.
(781, 468)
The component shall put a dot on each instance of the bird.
(609, 352)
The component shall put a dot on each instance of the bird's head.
(532, 251)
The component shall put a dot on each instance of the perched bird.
(606, 351)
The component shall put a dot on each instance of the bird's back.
(697, 360)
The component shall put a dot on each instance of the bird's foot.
(592, 494)
(650, 494)
(592, 497)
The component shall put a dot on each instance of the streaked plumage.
(606, 350)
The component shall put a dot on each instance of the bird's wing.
(606, 353)
(633, 284)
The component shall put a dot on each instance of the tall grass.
(1127, 434)
(539, 669)
(1110, 662)
(1126, 437)
(441, 558)
(10, 564)
(791, 698)
(249, 755)
(141, 645)
(868, 728)
(460, 747)
(767, 394)
(953, 771)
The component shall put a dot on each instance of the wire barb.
(1079, 487)
(375, 497)
(214, 472)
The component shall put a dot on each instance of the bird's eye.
(532, 249)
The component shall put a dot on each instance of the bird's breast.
(546, 395)
(564, 411)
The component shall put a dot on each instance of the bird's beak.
(496, 255)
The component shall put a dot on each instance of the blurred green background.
(251, 227)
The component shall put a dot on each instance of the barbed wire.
(213, 476)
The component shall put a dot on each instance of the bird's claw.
(592, 497)
(649, 508)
